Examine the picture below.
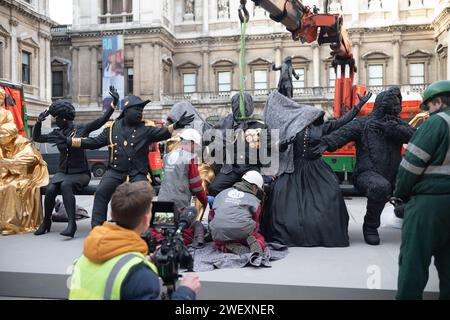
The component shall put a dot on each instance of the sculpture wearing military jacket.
(246, 131)
(128, 139)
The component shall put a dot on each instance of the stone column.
(146, 71)
(448, 52)
(42, 60)
(15, 55)
(355, 13)
(356, 46)
(395, 11)
(316, 65)
(396, 62)
(75, 75)
(48, 70)
(136, 10)
(278, 61)
(205, 73)
(205, 17)
(137, 70)
(94, 76)
(157, 71)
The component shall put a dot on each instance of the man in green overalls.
(423, 181)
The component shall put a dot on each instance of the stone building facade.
(25, 50)
(189, 49)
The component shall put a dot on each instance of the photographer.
(113, 265)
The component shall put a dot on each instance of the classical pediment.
(300, 59)
(4, 32)
(259, 61)
(375, 54)
(223, 63)
(29, 41)
(418, 54)
(188, 65)
(56, 61)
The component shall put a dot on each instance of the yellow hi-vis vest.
(92, 281)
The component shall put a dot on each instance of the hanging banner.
(113, 66)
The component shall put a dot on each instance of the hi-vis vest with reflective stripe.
(428, 157)
(91, 281)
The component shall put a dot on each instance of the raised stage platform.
(39, 267)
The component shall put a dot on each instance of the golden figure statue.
(22, 173)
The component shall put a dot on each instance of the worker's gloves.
(399, 207)
(183, 121)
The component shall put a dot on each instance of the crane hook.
(244, 16)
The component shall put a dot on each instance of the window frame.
(383, 74)
(188, 68)
(223, 65)
(30, 59)
(294, 80)
(254, 79)
(331, 70)
(411, 76)
(129, 66)
(61, 84)
(195, 85)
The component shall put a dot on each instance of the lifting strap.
(243, 17)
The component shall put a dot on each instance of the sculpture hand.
(183, 121)
(363, 100)
(115, 95)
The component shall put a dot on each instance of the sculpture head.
(388, 102)
(235, 108)
(63, 111)
(288, 59)
(133, 110)
(8, 133)
(2, 97)
(6, 116)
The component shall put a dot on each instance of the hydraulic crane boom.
(308, 25)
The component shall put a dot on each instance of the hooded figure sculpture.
(244, 131)
(300, 200)
(379, 138)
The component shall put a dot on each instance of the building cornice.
(232, 38)
(28, 12)
(398, 28)
(441, 22)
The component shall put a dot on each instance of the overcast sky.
(61, 11)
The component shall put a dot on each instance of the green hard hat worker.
(438, 89)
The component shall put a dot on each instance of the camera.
(172, 254)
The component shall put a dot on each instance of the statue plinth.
(188, 17)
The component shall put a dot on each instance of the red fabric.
(220, 245)
(194, 174)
